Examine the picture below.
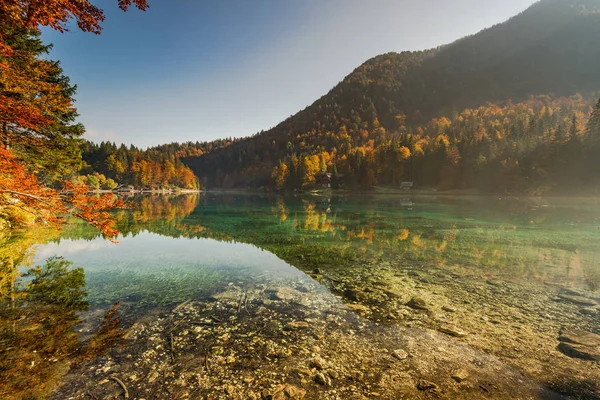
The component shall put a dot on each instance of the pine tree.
(573, 130)
(593, 126)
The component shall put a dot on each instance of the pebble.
(359, 308)
(352, 294)
(152, 376)
(300, 372)
(289, 392)
(460, 376)
(400, 354)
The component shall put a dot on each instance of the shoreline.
(157, 191)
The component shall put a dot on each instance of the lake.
(246, 296)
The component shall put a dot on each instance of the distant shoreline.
(154, 191)
(380, 190)
(377, 190)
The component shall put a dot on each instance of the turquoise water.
(174, 248)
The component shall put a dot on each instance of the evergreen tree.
(593, 126)
(573, 130)
(50, 148)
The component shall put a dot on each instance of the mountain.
(390, 103)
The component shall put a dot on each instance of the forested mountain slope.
(398, 100)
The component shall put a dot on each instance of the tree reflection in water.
(38, 317)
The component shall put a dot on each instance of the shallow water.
(493, 268)
(179, 247)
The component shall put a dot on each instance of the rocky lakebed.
(381, 331)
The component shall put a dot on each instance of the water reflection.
(519, 239)
(37, 328)
(509, 272)
(150, 270)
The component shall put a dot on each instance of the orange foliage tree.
(22, 190)
(37, 115)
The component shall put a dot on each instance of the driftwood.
(172, 348)
(242, 302)
(177, 324)
(120, 382)
(206, 363)
(182, 305)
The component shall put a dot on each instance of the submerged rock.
(289, 392)
(322, 379)
(276, 295)
(353, 294)
(418, 303)
(452, 331)
(579, 300)
(296, 326)
(591, 311)
(579, 351)
(579, 336)
(578, 343)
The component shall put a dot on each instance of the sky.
(198, 70)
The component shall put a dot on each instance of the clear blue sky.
(204, 69)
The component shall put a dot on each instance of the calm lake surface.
(487, 286)
(176, 247)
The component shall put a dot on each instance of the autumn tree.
(39, 139)
(280, 175)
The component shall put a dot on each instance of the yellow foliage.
(403, 235)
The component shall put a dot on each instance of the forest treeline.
(107, 165)
(541, 145)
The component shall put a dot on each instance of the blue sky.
(205, 69)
